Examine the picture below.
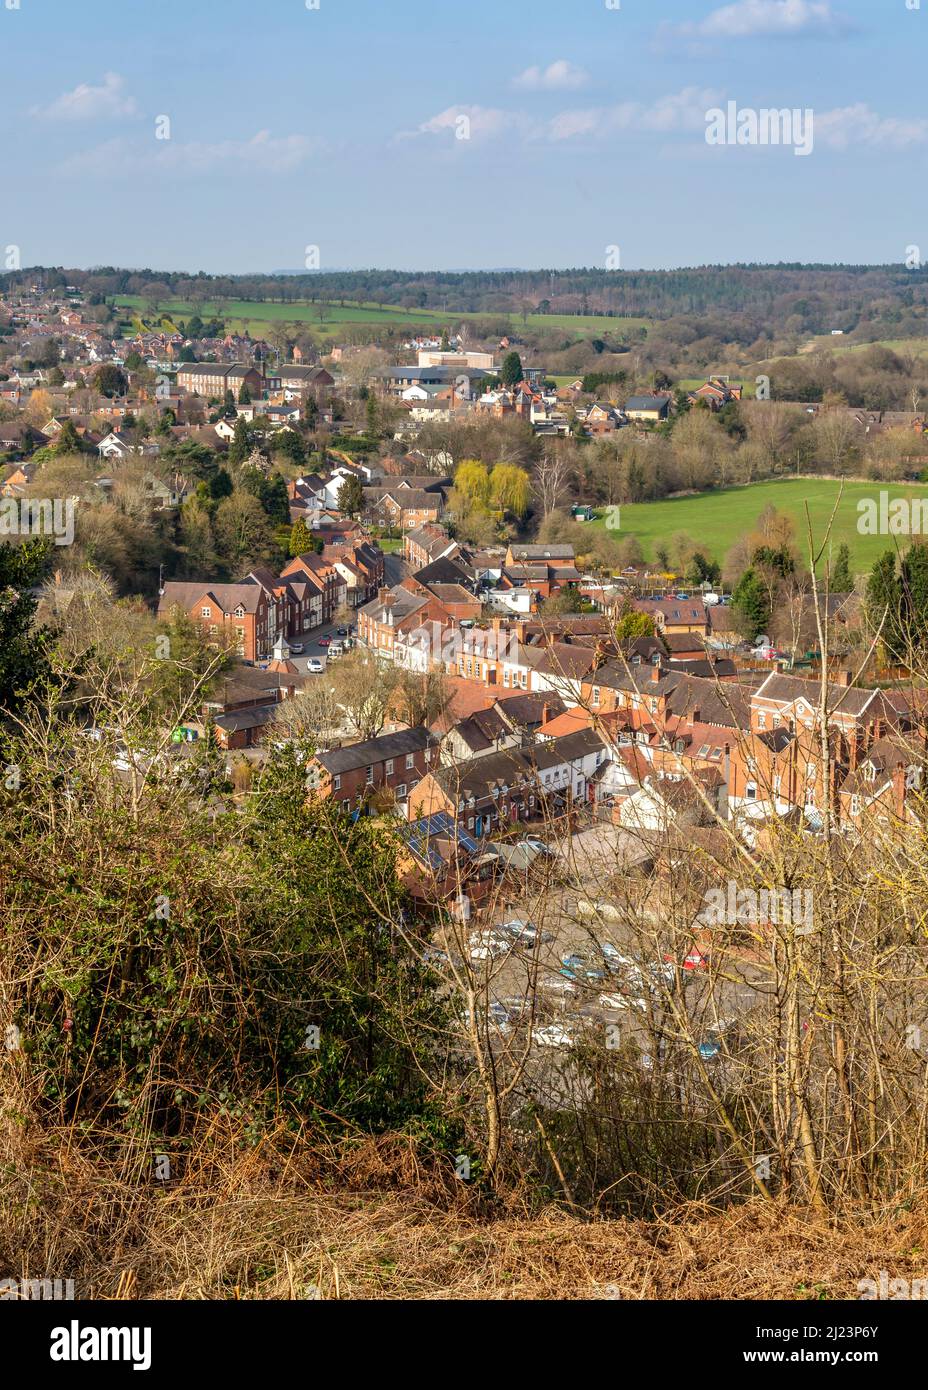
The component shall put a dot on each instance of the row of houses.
(251, 615)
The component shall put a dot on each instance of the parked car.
(539, 846)
(487, 945)
(622, 1001)
(578, 968)
(558, 984)
(553, 1035)
(694, 961)
(526, 932)
(296, 648)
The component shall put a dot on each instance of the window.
(206, 612)
(346, 805)
(704, 751)
(855, 805)
(750, 791)
(595, 694)
(401, 790)
(389, 767)
(869, 772)
(337, 782)
(370, 776)
(240, 612)
(761, 719)
(410, 760)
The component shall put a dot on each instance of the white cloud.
(475, 123)
(855, 126)
(560, 76)
(262, 153)
(681, 111)
(769, 19)
(678, 113)
(89, 103)
(685, 110)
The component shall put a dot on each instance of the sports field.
(716, 520)
(326, 317)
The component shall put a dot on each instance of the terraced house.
(369, 777)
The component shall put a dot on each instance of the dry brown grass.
(371, 1222)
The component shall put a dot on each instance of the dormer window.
(240, 612)
(869, 772)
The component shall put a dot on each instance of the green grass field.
(716, 520)
(321, 319)
(917, 346)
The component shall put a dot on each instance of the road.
(312, 647)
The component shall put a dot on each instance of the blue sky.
(338, 127)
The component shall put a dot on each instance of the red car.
(324, 642)
(694, 961)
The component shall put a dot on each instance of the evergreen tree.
(883, 603)
(750, 605)
(22, 568)
(351, 496)
(68, 441)
(842, 581)
(241, 444)
(913, 579)
(510, 373)
(275, 500)
(220, 484)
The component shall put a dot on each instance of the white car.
(559, 984)
(622, 1001)
(553, 1035)
(487, 945)
(525, 931)
(539, 846)
(314, 665)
